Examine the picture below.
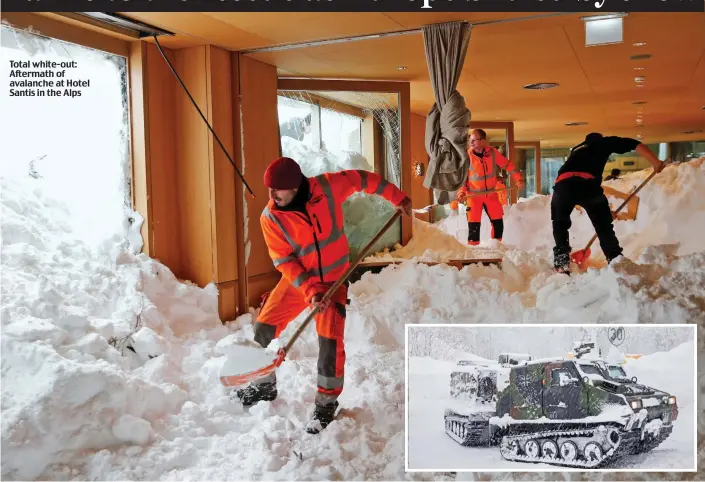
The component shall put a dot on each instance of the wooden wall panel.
(420, 195)
(223, 175)
(405, 113)
(160, 118)
(193, 167)
(260, 146)
(223, 178)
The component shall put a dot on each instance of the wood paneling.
(228, 300)
(223, 175)
(260, 146)
(420, 195)
(193, 167)
(259, 285)
(163, 190)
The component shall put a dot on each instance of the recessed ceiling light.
(639, 136)
(640, 85)
(638, 68)
(401, 68)
(571, 124)
(639, 44)
(640, 57)
(703, 107)
(541, 86)
(641, 78)
(639, 102)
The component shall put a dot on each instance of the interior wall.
(260, 146)
(159, 87)
(420, 195)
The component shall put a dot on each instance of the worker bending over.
(303, 229)
(579, 183)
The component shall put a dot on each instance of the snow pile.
(436, 245)
(65, 387)
(314, 162)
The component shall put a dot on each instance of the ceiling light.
(640, 57)
(639, 136)
(639, 44)
(571, 124)
(604, 29)
(541, 86)
(401, 68)
(640, 85)
(638, 68)
(639, 79)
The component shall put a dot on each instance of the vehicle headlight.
(635, 404)
(671, 400)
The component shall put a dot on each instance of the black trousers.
(588, 194)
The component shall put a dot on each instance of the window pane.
(74, 150)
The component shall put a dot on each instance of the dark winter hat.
(283, 173)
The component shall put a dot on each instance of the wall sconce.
(604, 29)
(419, 169)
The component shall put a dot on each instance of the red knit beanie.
(283, 173)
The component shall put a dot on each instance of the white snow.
(78, 402)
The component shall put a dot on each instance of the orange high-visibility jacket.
(481, 174)
(311, 249)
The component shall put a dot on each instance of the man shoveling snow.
(303, 228)
(579, 183)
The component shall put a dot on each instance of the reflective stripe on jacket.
(481, 175)
(311, 248)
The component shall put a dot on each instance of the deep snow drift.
(431, 448)
(76, 406)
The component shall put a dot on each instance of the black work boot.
(322, 416)
(253, 393)
(561, 261)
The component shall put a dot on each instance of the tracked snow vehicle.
(473, 389)
(573, 413)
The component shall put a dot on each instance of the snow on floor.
(75, 405)
(431, 448)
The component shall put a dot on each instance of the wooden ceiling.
(596, 84)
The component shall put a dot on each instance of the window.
(334, 131)
(74, 150)
(561, 377)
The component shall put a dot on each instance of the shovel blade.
(231, 374)
(580, 257)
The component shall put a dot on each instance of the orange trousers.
(286, 303)
(489, 202)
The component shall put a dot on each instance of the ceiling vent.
(541, 86)
(640, 57)
(572, 124)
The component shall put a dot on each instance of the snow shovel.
(581, 256)
(234, 379)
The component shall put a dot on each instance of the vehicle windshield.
(617, 372)
(590, 369)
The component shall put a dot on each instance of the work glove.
(518, 181)
(405, 207)
(316, 294)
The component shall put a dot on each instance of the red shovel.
(581, 256)
(239, 379)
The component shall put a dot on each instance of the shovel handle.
(331, 291)
(631, 195)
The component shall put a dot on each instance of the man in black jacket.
(578, 183)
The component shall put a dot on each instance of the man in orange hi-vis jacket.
(480, 188)
(303, 229)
